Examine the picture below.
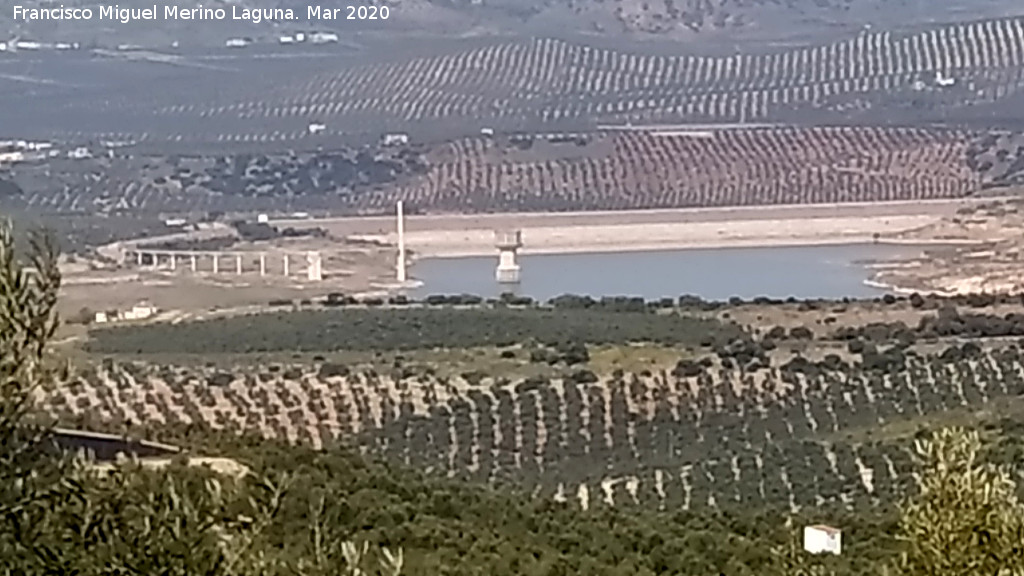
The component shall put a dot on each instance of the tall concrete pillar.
(194, 266)
(401, 243)
(174, 261)
(216, 263)
(138, 258)
(238, 263)
(285, 264)
(313, 268)
(263, 264)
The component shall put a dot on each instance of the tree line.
(302, 511)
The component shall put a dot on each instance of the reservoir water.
(778, 272)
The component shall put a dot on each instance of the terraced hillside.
(635, 170)
(586, 171)
(548, 81)
(547, 84)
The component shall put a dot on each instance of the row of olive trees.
(59, 515)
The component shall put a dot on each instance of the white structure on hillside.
(820, 539)
(397, 139)
(323, 37)
(508, 244)
(140, 311)
(314, 266)
(400, 263)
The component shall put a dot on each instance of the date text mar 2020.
(348, 13)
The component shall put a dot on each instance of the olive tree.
(33, 474)
(965, 518)
(179, 520)
(331, 554)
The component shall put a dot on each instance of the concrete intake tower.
(508, 244)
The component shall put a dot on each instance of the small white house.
(323, 37)
(237, 43)
(100, 318)
(11, 157)
(286, 40)
(395, 139)
(139, 312)
(317, 128)
(821, 539)
(487, 131)
(262, 218)
(175, 222)
(79, 153)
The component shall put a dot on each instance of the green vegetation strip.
(407, 329)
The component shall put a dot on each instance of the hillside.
(698, 23)
(605, 170)
(815, 413)
(265, 99)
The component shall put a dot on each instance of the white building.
(821, 539)
(139, 312)
(79, 153)
(11, 157)
(317, 128)
(34, 146)
(323, 37)
(100, 318)
(262, 218)
(237, 43)
(286, 40)
(175, 222)
(395, 139)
